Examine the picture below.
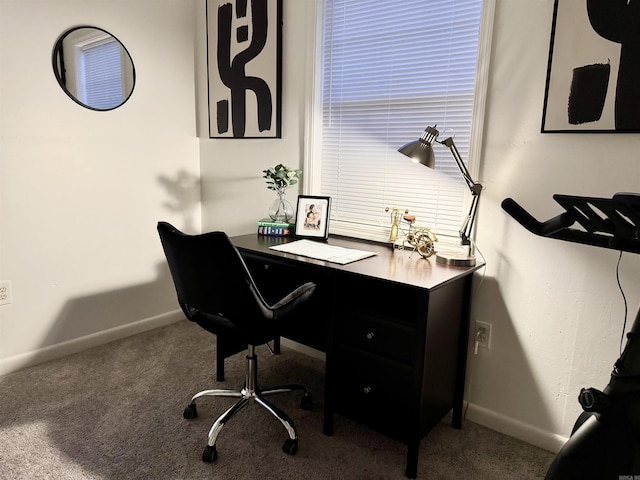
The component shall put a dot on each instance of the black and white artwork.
(593, 77)
(244, 48)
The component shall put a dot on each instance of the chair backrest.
(211, 277)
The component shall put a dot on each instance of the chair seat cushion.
(221, 326)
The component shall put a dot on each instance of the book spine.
(264, 223)
(274, 231)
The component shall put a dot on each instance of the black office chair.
(216, 291)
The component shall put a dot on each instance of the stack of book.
(266, 226)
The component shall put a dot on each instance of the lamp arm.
(474, 187)
(461, 166)
(467, 226)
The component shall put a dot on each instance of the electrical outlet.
(483, 334)
(5, 292)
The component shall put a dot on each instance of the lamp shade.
(421, 150)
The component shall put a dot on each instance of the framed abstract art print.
(593, 74)
(244, 66)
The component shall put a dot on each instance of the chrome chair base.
(249, 394)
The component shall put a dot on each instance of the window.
(100, 74)
(388, 70)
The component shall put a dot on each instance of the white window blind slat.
(389, 69)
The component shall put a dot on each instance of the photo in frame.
(244, 67)
(593, 79)
(312, 217)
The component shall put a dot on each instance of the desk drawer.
(373, 391)
(377, 335)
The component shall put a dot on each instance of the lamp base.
(460, 259)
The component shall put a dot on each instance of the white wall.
(556, 311)
(81, 191)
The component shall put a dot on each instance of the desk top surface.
(394, 265)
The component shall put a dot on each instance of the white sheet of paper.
(322, 251)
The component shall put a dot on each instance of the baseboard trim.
(299, 347)
(52, 352)
(515, 428)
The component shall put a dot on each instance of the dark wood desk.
(394, 327)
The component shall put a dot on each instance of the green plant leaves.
(281, 177)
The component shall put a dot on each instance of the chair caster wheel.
(190, 412)
(210, 454)
(305, 403)
(290, 446)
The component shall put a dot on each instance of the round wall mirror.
(93, 68)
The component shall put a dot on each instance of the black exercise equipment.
(605, 442)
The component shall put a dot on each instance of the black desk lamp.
(421, 151)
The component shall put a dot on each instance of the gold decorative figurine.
(421, 239)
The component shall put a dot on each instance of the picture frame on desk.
(312, 217)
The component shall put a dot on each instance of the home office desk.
(394, 327)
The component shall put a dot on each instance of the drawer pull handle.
(367, 390)
(370, 336)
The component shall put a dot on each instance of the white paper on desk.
(322, 251)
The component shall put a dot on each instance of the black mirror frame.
(58, 67)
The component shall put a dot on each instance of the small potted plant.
(279, 178)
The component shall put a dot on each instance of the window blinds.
(389, 69)
(102, 74)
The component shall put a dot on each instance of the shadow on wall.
(501, 386)
(95, 314)
(107, 310)
(184, 190)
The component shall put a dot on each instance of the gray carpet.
(115, 412)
